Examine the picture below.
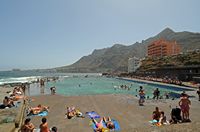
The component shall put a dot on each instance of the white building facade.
(133, 64)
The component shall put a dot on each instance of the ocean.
(75, 84)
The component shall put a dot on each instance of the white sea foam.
(19, 80)
(64, 76)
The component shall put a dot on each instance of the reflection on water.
(42, 89)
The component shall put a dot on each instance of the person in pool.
(109, 123)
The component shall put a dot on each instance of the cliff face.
(116, 57)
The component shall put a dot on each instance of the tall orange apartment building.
(161, 47)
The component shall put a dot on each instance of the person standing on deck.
(44, 125)
(198, 92)
(184, 104)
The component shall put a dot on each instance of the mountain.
(115, 58)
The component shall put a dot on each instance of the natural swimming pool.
(92, 85)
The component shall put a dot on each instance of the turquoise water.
(77, 84)
(80, 85)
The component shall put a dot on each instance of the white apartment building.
(133, 64)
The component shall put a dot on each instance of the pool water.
(92, 85)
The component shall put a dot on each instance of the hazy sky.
(51, 33)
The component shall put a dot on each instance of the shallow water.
(74, 84)
(92, 85)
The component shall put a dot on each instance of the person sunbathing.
(38, 109)
(109, 123)
(99, 125)
(16, 97)
(71, 112)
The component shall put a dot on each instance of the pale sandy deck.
(123, 108)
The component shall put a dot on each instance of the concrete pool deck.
(124, 108)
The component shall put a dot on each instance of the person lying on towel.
(36, 110)
(71, 112)
(109, 123)
(99, 125)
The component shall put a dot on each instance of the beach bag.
(176, 114)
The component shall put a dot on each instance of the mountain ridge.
(115, 58)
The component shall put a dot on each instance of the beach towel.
(43, 113)
(92, 124)
(105, 129)
(153, 121)
(3, 106)
(116, 123)
(92, 114)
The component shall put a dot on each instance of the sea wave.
(19, 80)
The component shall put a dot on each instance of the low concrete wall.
(20, 117)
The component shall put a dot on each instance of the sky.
(52, 33)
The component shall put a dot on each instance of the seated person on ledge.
(7, 102)
(109, 123)
(28, 126)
